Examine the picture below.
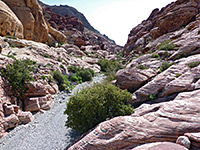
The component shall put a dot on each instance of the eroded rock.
(10, 24)
(150, 123)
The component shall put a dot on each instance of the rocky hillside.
(72, 12)
(76, 33)
(62, 10)
(163, 73)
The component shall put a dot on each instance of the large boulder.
(160, 146)
(178, 78)
(9, 23)
(30, 14)
(150, 123)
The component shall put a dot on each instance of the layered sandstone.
(150, 123)
(10, 24)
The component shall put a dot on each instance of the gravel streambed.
(47, 131)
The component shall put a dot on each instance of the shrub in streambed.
(80, 75)
(95, 104)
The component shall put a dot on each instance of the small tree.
(95, 104)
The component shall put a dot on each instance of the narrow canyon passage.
(47, 131)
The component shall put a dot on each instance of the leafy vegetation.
(80, 74)
(62, 80)
(110, 67)
(166, 45)
(107, 65)
(193, 64)
(95, 104)
(178, 75)
(45, 55)
(164, 66)
(11, 37)
(59, 59)
(142, 67)
(19, 75)
(152, 96)
(43, 77)
(155, 56)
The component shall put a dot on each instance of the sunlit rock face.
(9, 23)
(170, 18)
(150, 123)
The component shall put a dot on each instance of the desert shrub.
(85, 75)
(91, 71)
(45, 55)
(193, 64)
(142, 67)
(61, 66)
(11, 37)
(152, 96)
(73, 69)
(62, 80)
(76, 79)
(50, 79)
(166, 45)
(12, 56)
(155, 56)
(60, 44)
(81, 73)
(164, 66)
(107, 65)
(110, 67)
(59, 59)
(18, 75)
(43, 77)
(95, 104)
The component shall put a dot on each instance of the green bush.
(11, 37)
(85, 75)
(73, 69)
(61, 66)
(43, 77)
(193, 64)
(45, 55)
(165, 66)
(109, 65)
(18, 75)
(95, 104)
(166, 45)
(142, 67)
(152, 97)
(81, 73)
(62, 80)
(155, 56)
(59, 59)
(76, 79)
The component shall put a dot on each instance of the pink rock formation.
(160, 146)
(10, 24)
(168, 19)
(150, 123)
